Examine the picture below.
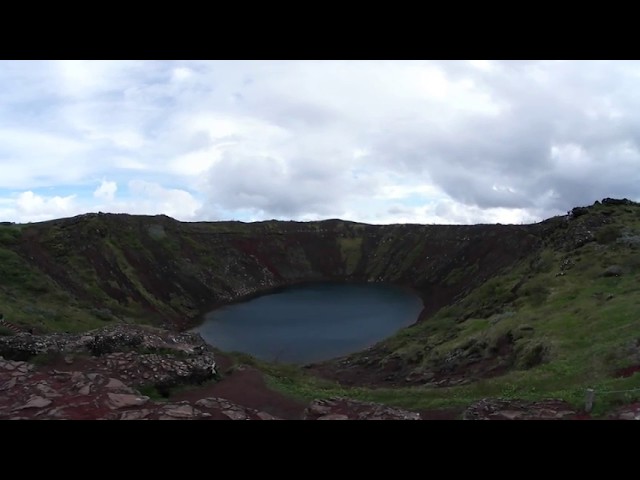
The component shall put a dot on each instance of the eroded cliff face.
(120, 267)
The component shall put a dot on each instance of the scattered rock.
(123, 400)
(627, 412)
(114, 383)
(578, 211)
(234, 415)
(135, 414)
(266, 416)
(617, 201)
(613, 271)
(500, 409)
(85, 390)
(333, 416)
(36, 402)
(627, 416)
(336, 408)
(182, 411)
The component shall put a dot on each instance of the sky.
(431, 142)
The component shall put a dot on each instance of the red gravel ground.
(246, 387)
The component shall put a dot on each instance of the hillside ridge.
(509, 309)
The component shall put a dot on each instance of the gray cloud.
(506, 160)
(452, 141)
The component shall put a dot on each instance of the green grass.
(6, 332)
(154, 393)
(351, 250)
(571, 331)
(571, 327)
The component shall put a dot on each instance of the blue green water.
(311, 322)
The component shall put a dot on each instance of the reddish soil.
(246, 387)
(627, 371)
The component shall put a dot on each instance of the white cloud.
(30, 207)
(106, 190)
(142, 197)
(485, 65)
(151, 198)
(181, 74)
(439, 141)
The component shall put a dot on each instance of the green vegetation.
(457, 275)
(47, 359)
(608, 234)
(5, 332)
(570, 328)
(9, 235)
(155, 393)
(351, 250)
(556, 317)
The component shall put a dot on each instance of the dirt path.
(246, 386)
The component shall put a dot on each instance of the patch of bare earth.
(246, 386)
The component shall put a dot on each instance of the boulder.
(503, 409)
(613, 271)
(337, 408)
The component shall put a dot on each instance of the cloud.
(382, 141)
(106, 190)
(140, 197)
(151, 199)
(273, 186)
(31, 207)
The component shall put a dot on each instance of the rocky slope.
(102, 267)
(100, 375)
(510, 310)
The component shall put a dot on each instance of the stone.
(85, 390)
(319, 409)
(135, 414)
(58, 412)
(9, 384)
(627, 416)
(36, 402)
(613, 271)
(123, 400)
(114, 383)
(334, 416)
(510, 414)
(579, 211)
(46, 390)
(208, 402)
(565, 413)
(266, 416)
(490, 409)
(183, 411)
(616, 201)
(356, 410)
(235, 415)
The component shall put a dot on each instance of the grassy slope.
(567, 331)
(572, 327)
(30, 299)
